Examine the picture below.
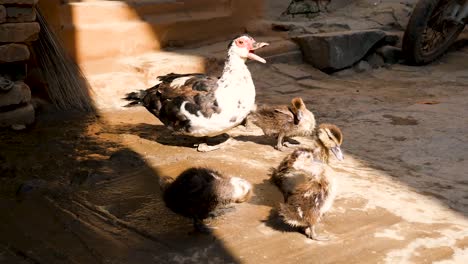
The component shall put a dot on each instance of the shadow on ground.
(71, 196)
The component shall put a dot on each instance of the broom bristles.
(68, 88)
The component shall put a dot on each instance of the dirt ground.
(84, 190)
(81, 189)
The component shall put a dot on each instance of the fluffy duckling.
(197, 192)
(308, 189)
(327, 138)
(284, 121)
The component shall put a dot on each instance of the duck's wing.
(271, 118)
(164, 100)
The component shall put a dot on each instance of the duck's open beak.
(253, 56)
(338, 153)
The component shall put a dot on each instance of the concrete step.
(101, 12)
(96, 41)
(93, 30)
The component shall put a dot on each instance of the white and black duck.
(205, 106)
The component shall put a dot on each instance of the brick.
(19, 116)
(2, 14)
(19, 32)
(14, 52)
(19, 2)
(20, 14)
(20, 93)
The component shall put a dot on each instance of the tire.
(412, 40)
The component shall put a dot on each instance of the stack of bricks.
(18, 29)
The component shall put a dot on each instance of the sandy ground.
(91, 190)
(80, 189)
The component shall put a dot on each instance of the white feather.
(235, 96)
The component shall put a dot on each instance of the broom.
(68, 88)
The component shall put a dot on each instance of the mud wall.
(17, 30)
(94, 30)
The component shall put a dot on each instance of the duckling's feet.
(204, 147)
(310, 233)
(291, 145)
(280, 147)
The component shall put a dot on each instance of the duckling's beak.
(298, 116)
(338, 154)
(252, 55)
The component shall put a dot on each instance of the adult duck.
(204, 106)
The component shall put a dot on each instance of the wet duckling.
(284, 121)
(308, 190)
(327, 138)
(197, 192)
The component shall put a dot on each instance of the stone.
(337, 50)
(390, 54)
(19, 2)
(19, 32)
(19, 116)
(20, 93)
(2, 14)
(391, 39)
(362, 66)
(14, 52)
(375, 60)
(20, 14)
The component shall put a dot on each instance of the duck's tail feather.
(135, 98)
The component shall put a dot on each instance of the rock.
(20, 93)
(375, 60)
(2, 14)
(391, 39)
(20, 2)
(19, 116)
(14, 52)
(338, 50)
(390, 54)
(19, 32)
(20, 14)
(362, 66)
(300, 7)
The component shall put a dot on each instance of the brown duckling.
(308, 190)
(327, 138)
(284, 121)
(197, 192)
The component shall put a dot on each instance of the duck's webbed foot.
(204, 147)
(201, 227)
(291, 145)
(310, 233)
(279, 143)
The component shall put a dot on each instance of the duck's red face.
(247, 46)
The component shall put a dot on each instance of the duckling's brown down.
(284, 121)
